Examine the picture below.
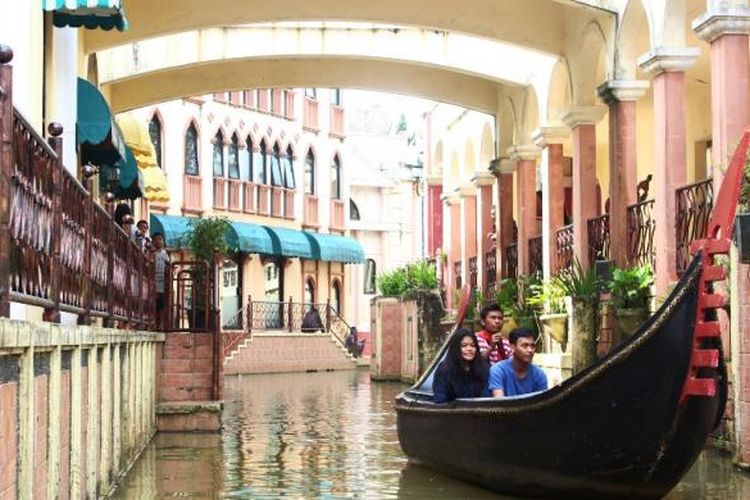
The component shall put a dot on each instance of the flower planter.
(742, 236)
(630, 319)
(583, 336)
(556, 326)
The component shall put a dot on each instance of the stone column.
(503, 169)
(526, 157)
(726, 30)
(552, 171)
(582, 121)
(453, 250)
(468, 196)
(485, 225)
(434, 214)
(621, 97)
(670, 151)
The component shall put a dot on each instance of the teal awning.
(96, 131)
(334, 248)
(250, 238)
(173, 227)
(91, 14)
(131, 181)
(291, 243)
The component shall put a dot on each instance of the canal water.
(327, 435)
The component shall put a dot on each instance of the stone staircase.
(278, 352)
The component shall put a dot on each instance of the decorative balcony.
(220, 193)
(337, 215)
(490, 269)
(641, 228)
(310, 216)
(234, 191)
(289, 204)
(310, 115)
(564, 247)
(264, 101)
(277, 201)
(192, 189)
(337, 121)
(511, 261)
(598, 231)
(276, 102)
(535, 256)
(289, 98)
(457, 274)
(264, 199)
(249, 205)
(693, 210)
(473, 273)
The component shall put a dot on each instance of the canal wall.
(77, 407)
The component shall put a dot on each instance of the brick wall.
(186, 372)
(277, 353)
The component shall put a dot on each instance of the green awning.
(173, 227)
(250, 238)
(131, 181)
(334, 248)
(291, 243)
(91, 14)
(96, 131)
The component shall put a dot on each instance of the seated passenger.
(517, 376)
(463, 373)
(492, 345)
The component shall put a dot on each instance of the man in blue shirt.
(517, 375)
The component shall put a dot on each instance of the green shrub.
(507, 296)
(548, 295)
(580, 284)
(393, 284)
(631, 287)
(421, 276)
(408, 279)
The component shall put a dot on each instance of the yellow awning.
(138, 140)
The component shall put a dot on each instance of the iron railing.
(473, 273)
(457, 274)
(564, 246)
(490, 268)
(599, 240)
(535, 256)
(511, 261)
(641, 228)
(694, 204)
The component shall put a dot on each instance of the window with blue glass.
(353, 210)
(276, 178)
(310, 173)
(233, 158)
(154, 132)
(191, 151)
(218, 155)
(262, 164)
(288, 169)
(336, 178)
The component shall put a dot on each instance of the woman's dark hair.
(478, 368)
(121, 210)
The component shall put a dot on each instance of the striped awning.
(91, 14)
(335, 248)
(137, 138)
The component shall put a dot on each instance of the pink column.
(434, 216)
(670, 154)
(582, 122)
(727, 32)
(469, 237)
(484, 182)
(504, 169)
(621, 98)
(526, 190)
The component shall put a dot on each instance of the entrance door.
(273, 272)
(230, 295)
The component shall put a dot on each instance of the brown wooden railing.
(310, 217)
(457, 274)
(511, 261)
(234, 192)
(473, 273)
(337, 121)
(694, 204)
(564, 246)
(310, 114)
(192, 187)
(59, 249)
(490, 268)
(337, 215)
(641, 227)
(598, 230)
(535, 256)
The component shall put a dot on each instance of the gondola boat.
(630, 425)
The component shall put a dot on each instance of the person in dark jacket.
(463, 373)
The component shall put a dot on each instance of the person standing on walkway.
(161, 262)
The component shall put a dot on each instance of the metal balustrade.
(564, 249)
(535, 256)
(511, 261)
(599, 239)
(641, 228)
(694, 204)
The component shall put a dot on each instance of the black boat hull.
(617, 429)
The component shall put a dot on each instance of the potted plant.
(630, 290)
(206, 240)
(583, 289)
(524, 314)
(507, 298)
(549, 298)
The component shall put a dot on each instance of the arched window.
(263, 163)
(218, 156)
(309, 92)
(336, 296)
(233, 158)
(370, 276)
(336, 178)
(309, 291)
(353, 210)
(310, 173)
(336, 97)
(191, 151)
(154, 131)
(276, 179)
(246, 161)
(288, 169)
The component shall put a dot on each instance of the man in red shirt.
(492, 345)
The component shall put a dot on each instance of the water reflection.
(327, 435)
